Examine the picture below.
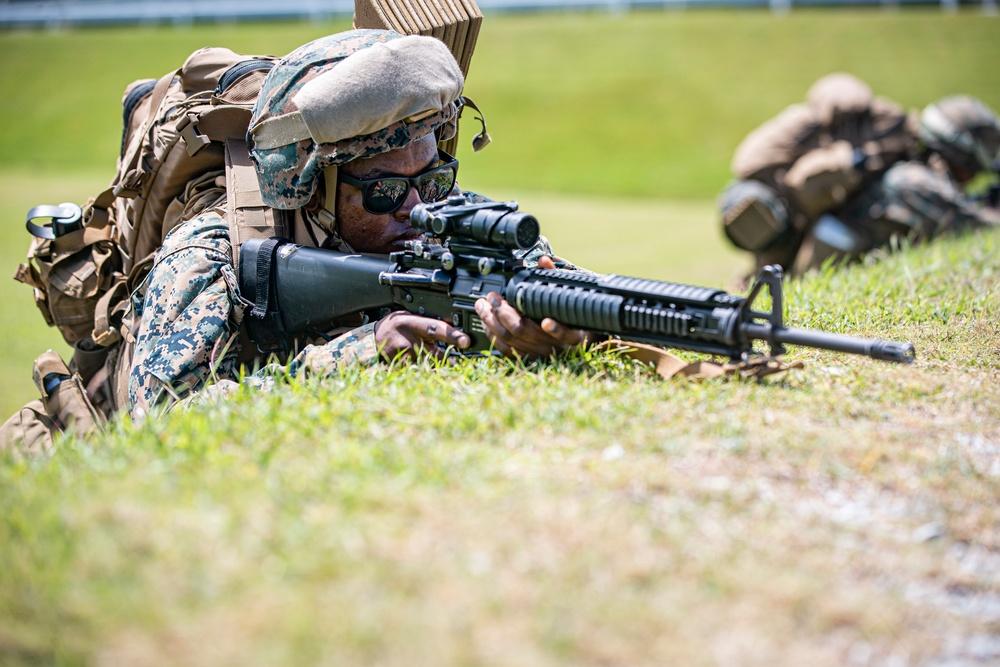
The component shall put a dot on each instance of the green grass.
(578, 512)
(645, 104)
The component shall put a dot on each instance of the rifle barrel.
(876, 348)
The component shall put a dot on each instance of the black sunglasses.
(386, 194)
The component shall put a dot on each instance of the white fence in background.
(58, 13)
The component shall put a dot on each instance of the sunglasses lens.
(386, 195)
(436, 185)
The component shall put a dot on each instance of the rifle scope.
(493, 224)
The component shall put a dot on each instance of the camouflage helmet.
(753, 216)
(963, 130)
(328, 103)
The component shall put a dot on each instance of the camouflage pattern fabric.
(190, 318)
(289, 174)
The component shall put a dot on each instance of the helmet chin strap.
(326, 217)
(328, 209)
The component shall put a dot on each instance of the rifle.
(470, 249)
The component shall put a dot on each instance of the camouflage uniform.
(838, 176)
(915, 200)
(191, 313)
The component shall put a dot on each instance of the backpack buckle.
(130, 185)
(193, 139)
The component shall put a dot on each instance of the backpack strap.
(130, 177)
(99, 216)
(249, 216)
(668, 366)
(108, 313)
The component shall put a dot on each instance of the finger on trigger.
(460, 339)
(451, 335)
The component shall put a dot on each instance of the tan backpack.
(181, 134)
(183, 151)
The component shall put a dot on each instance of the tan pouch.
(62, 407)
(29, 431)
(70, 272)
(64, 396)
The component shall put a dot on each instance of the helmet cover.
(328, 102)
(839, 94)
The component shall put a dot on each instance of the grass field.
(580, 512)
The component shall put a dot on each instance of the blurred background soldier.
(848, 172)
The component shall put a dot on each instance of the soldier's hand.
(514, 335)
(402, 334)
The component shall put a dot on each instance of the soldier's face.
(385, 233)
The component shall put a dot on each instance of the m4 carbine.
(469, 250)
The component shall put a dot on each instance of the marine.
(847, 173)
(346, 156)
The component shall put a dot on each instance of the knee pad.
(753, 217)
